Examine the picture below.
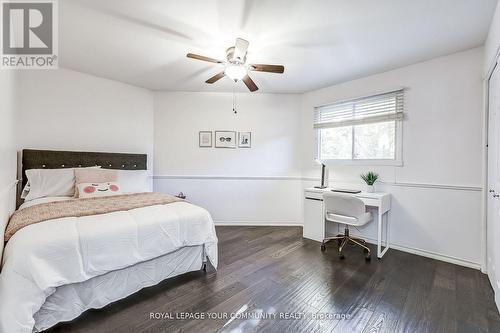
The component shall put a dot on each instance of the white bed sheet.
(69, 301)
(43, 257)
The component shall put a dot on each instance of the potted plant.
(370, 178)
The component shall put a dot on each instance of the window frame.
(396, 161)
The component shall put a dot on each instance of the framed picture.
(225, 139)
(245, 139)
(205, 139)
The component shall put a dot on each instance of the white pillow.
(91, 190)
(134, 181)
(49, 183)
(25, 191)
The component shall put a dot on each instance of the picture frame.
(205, 139)
(245, 139)
(225, 139)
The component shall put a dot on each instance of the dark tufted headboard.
(54, 159)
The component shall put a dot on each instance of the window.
(361, 131)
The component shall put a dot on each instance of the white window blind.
(365, 110)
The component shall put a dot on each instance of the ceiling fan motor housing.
(234, 57)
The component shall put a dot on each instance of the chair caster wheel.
(368, 257)
(341, 256)
(365, 250)
(323, 247)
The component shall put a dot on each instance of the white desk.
(314, 220)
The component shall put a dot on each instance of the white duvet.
(43, 256)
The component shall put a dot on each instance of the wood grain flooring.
(273, 271)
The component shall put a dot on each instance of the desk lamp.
(324, 175)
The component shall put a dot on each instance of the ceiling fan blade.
(267, 68)
(203, 58)
(250, 84)
(240, 48)
(215, 78)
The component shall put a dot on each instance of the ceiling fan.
(235, 65)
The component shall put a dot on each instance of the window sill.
(364, 162)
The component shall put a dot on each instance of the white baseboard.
(407, 249)
(258, 224)
(425, 253)
(438, 256)
(495, 284)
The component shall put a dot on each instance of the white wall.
(260, 185)
(67, 110)
(437, 193)
(493, 41)
(436, 207)
(7, 149)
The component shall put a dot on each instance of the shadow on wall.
(8, 100)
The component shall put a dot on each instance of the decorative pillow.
(83, 176)
(91, 190)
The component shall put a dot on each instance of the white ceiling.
(320, 42)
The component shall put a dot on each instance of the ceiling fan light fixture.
(236, 67)
(235, 72)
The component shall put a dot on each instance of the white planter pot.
(370, 188)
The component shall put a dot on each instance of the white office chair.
(350, 211)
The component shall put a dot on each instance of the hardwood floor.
(273, 271)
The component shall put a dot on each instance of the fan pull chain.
(234, 101)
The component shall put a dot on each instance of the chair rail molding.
(221, 177)
(457, 187)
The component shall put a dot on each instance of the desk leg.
(380, 252)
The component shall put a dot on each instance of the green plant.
(370, 177)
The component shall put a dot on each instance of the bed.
(55, 269)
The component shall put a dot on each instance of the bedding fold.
(83, 207)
